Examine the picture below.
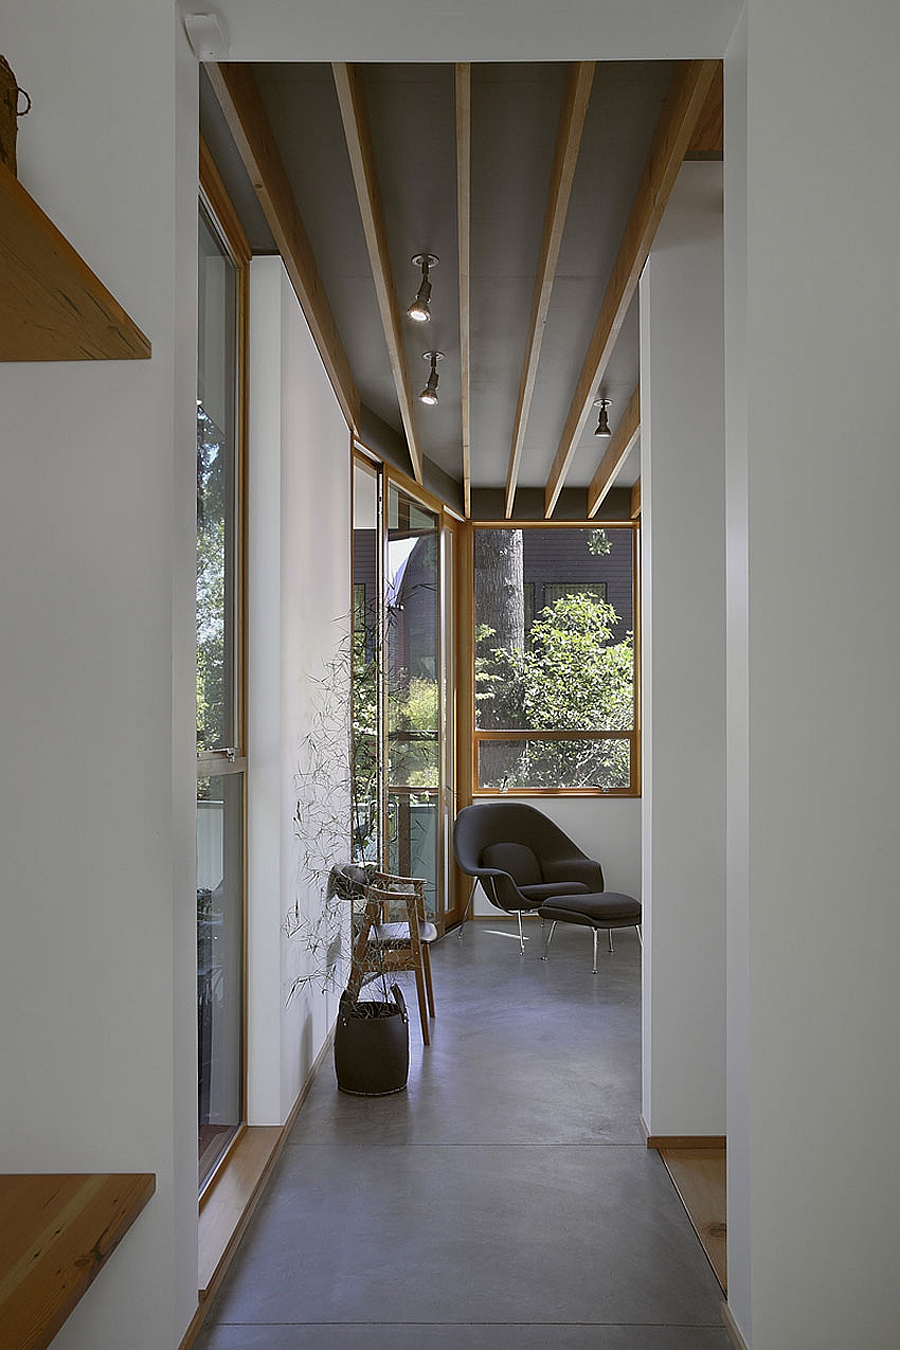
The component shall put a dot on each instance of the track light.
(602, 427)
(419, 310)
(429, 394)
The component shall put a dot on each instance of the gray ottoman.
(603, 909)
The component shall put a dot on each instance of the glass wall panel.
(220, 944)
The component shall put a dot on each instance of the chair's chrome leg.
(609, 935)
(521, 934)
(545, 956)
(459, 932)
(639, 931)
(594, 936)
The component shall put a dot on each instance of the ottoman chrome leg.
(609, 935)
(547, 940)
(521, 934)
(594, 936)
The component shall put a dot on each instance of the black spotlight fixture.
(419, 310)
(429, 394)
(602, 427)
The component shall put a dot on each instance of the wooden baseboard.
(229, 1203)
(660, 1141)
(681, 1140)
(733, 1330)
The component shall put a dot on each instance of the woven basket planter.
(10, 95)
(371, 1046)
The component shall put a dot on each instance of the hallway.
(506, 1199)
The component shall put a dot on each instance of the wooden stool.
(383, 944)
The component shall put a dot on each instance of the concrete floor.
(505, 1201)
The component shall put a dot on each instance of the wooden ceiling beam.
(682, 109)
(351, 97)
(464, 219)
(576, 96)
(239, 99)
(617, 450)
(708, 140)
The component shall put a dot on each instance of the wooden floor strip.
(699, 1178)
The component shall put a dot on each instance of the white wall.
(299, 580)
(683, 647)
(823, 471)
(608, 830)
(97, 686)
(97, 680)
(737, 715)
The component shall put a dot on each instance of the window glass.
(220, 755)
(366, 694)
(220, 938)
(570, 763)
(413, 649)
(554, 651)
(216, 704)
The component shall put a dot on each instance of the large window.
(554, 659)
(221, 754)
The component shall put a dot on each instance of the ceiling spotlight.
(429, 394)
(602, 427)
(419, 310)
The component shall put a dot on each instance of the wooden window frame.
(215, 201)
(468, 760)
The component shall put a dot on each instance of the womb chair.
(521, 858)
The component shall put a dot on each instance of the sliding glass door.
(401, 655)
(414, 704)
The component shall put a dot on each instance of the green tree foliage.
(573, 677)
(364, 738)
(211, 611)
(570, 677)
(599, 543)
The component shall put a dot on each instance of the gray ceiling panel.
(515, 116)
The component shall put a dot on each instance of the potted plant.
(371, 1037)
(371, 1047)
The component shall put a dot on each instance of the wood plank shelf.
(52, 306)
(56, 1234)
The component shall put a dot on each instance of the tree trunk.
(500, 606)
(499, 588)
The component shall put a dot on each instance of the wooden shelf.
(56, 1234)
(52, 306)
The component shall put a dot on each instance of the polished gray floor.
(505, 1200)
